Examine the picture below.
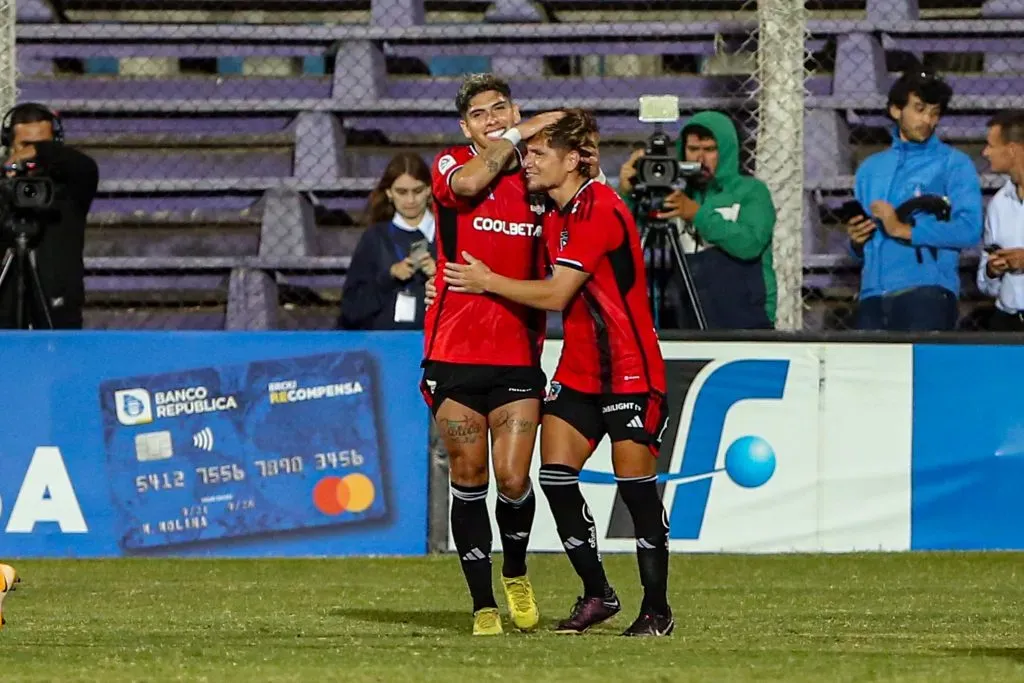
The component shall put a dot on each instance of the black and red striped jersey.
(610, 344)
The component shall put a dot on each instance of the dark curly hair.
(474, 84)
(925, 84)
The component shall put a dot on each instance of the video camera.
(23, 197)
(659, 172)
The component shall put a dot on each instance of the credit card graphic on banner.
(265, 447)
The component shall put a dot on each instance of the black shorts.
(623, 417)
(481, 388)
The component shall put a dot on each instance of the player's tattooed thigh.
(506, 421)
(464, 430)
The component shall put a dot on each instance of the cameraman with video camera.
(45, 195)
(731, 219)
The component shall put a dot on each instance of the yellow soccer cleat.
(8, 577)
(522, 603)
(487, 622)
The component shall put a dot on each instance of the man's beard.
(702, 179)
(539, 187)
(916, 135)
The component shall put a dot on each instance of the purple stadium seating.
(213, 184)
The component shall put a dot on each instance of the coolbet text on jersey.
(500, 227)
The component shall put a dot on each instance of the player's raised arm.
(553, 294)
(496, 154)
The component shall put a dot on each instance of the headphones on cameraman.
(7, 127)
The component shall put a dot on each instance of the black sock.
(561, 486)
(515, 519)
(650, 526)
(471, 530)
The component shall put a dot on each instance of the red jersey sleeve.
(589, 234)
(445, 165)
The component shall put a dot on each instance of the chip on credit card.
(258, 448)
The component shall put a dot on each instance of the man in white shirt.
(1001, 269)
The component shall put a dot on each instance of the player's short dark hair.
(573, 132)
(926, 85)
(474, 84)
(702, 132)
(1011, 125)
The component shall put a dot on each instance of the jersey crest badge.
(445, 163)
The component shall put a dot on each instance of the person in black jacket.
(385, 285)
(33, 136)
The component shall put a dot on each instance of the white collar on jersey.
(427, 226)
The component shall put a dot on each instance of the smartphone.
(991, 248)
(418, 249)
(850, 210)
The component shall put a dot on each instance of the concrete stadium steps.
(180, 235)
(153, 156)
(194, 215)
(216, 158)
(246, 90)
(389, 12)
(199, 240)
(214, 293)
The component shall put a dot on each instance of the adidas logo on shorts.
(636, 422)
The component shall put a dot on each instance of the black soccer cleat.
(588, 612)
(651, 624)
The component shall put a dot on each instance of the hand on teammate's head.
(590, 160)
(535, 124)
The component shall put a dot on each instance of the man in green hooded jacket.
(732, 217)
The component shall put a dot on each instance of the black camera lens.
(29, 190)
(658, 170)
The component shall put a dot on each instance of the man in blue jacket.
(910, 278)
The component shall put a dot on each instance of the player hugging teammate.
(610, 378)
(482, 371)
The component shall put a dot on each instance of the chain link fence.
(238, 142)
(856, 52)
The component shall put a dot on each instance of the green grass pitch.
(898, 617)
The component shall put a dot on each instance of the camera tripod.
(660, 238)
(21, 259)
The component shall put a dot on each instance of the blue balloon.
(750, 461)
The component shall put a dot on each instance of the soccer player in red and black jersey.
(482, 354)
(610, 377)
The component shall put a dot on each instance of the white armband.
(513, 135)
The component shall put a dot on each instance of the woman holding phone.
(385, 284)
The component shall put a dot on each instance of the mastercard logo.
(335, 495)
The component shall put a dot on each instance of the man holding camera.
(910, 278)
(732, 218)
(33, 137)
(1001, 269)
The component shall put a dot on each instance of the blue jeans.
(922, 309)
